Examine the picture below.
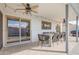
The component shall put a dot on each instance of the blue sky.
(12, 23)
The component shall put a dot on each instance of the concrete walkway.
(75, 50)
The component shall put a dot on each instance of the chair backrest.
(63, 34)
(47, 37)
(43, 37)
(40, 37)
(46, 32)
(60, 36)
(55, 37)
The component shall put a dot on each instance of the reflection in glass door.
(13, 30)
(18, 30)
(25, 30)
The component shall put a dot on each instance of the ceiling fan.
(28, 8)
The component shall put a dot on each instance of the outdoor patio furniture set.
(51, 38)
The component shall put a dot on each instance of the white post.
(20, 29)
(76, 28)
(66, 32)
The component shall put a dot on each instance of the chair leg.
(39, 43)
(57, 43)
(61, 40)
(42, 43)
(48, 42)
(53, 44)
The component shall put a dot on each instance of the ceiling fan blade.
(20, 9)
(34, 11)
(34, 7)
(24, 5)
(25, 12)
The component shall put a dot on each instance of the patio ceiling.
(51, 10)
(75, 7)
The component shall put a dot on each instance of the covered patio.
(61, 14)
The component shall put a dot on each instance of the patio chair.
(55, 38)
(63, 35)
(43, 38)
(60, 37)
(46, 32)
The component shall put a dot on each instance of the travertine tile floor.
(75, 50)
(33, 49)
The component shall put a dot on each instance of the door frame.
(20, 18)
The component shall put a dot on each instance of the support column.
(76, 28)
(66, 32)
(1, 30)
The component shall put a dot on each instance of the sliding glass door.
(18, 30)
(25, 30)
(13, 30)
